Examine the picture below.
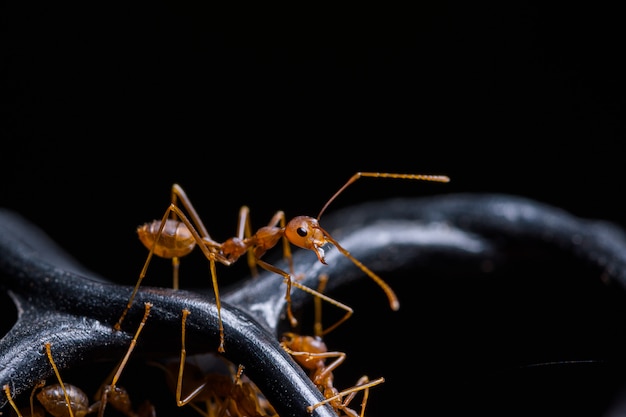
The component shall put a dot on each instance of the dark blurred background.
(105, 105)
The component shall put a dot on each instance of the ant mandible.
(175, 236)
(67, 400)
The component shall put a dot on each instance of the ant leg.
(327, 370)
(40, 384)
(220, 348)
(318, 298)
(175, 272)
(286, 244)
(289, 281)
(7, 391)
(174, 211)
(120, 399)
(244, 231)
(317, 325)
(178, 192)
(346, 392)
(317, 302)
(183, 357)
(58, 375)
(205, 244)
(133, 343)
(277, 222)
(118, 325)
(366, 393)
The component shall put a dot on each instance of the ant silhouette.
(311, 353)
(67, 400)
(223, 394)
(175, 236)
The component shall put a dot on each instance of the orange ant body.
(311, 353)
(224, 395)
(175, 235)
(67, 400)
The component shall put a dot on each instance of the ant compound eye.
(301, 232)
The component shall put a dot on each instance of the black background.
(107, 104)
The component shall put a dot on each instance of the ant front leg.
(318, 328)
(289, 282)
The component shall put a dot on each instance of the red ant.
(224, 395)
(311, 353)
(175, 236)
(67, 400)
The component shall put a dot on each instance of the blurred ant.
(224, 394)
(175, 236)
(311, 353)
(67, 400)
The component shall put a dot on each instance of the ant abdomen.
(52, 398)
(174, 240)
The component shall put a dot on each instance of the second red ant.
(176, 235)
(311, 353)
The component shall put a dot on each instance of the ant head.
(305, 232)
